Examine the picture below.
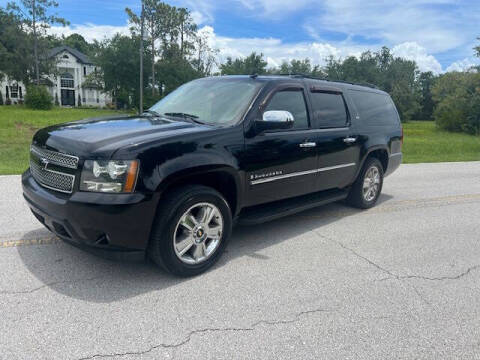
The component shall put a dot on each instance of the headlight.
(109, 176)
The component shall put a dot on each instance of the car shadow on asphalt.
(81, 275)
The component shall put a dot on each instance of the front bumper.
(96, 221)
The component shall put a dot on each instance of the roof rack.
(305, 76)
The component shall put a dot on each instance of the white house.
(68, 85)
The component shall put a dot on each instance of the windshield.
(211, 100)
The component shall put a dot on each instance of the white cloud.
(90, 31)
(276, 51)
(200, 18)
(398, 21)
(463, 65)
(436, 25)
(413, 51)
(277, 8)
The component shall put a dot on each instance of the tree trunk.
(35, 43)
(153, 66)
(181, 39)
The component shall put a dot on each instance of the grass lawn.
(18, 124)
(424, 143)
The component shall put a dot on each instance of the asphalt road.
(401, 280)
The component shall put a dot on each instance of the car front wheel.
(191, 230)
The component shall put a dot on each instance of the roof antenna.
(254, 76)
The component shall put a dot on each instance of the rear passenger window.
(294, 102)
(375, 109)
(329, 109)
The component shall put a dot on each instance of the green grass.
(423, 142)
(18, 124)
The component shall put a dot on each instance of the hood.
(101, 137)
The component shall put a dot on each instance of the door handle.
(307, 144)
(349, 140)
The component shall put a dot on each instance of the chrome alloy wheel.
(371, 183)
(198, 233)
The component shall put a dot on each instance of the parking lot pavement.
(401, 280)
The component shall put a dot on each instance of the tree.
(426, 81)
(457, 98)
(303, 67)
(158, 22)
(78, 42)
(205, 57)
(36, 18)
(252, 64)
(477, 49)
(187, 30)
(16, 58)
(119, 63)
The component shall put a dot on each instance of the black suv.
(215, 152)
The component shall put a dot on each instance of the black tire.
(356, 195)
(161, 246)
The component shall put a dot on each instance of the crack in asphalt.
(192, 333)
(393, 275)
(53, 283)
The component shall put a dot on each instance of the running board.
(275, 210)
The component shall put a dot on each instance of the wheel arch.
(380, 152)
(223, 178)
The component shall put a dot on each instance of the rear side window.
(375, 109)
(329, 109)
(292, 101)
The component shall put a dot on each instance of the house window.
(20, 92)
(66, 80)
(65, 56)
(6, 92)
(14, 91)
(85, 71)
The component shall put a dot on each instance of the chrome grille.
(56, 158)
(41, 162)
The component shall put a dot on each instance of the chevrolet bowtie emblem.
(44, 163)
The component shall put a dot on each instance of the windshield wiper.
(151, 112)
(191, 117)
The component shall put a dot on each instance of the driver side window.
(294, 102)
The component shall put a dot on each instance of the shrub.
(1, 98)
(38, 98)
(8, 101)
(457, 97)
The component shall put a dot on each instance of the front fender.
(195, 165)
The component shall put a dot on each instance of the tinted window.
(294, 102)
(329, 109)
(375, 109)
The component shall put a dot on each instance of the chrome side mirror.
(275, 120)
(278, 116)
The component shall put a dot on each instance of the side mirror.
(275, 120)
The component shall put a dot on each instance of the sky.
(438, 34)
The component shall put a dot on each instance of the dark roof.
(84, 59)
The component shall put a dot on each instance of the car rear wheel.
(191, 230)
(368, 186)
